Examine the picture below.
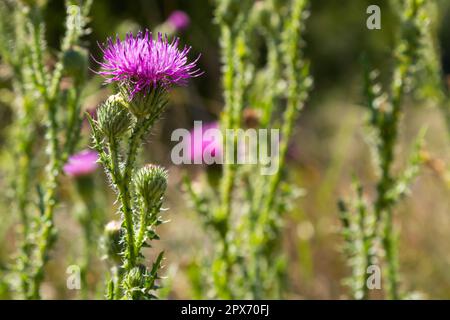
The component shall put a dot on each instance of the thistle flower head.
(81, 164)
(140, 63)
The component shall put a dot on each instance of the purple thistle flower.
(179, 20)
(141, 63)
(81, 164)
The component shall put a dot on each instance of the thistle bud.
(112, 240)
(75, 61)
(135, 282)
(113, 117)
(148, 103)
(135, 278)
(151, 183)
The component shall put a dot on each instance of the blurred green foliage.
(329, 145)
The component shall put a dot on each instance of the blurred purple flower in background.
(141, 63)
(179, 20)
(198, 147)
(81, 164)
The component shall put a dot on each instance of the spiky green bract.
(146, 103)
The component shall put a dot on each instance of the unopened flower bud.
(151, 183)
(112, 239)
(134, 281)
(113, 117)
(75, 61)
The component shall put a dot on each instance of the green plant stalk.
(139, 129)
(227, 122)
(87, 260)
(389, 133)
(235, 85)
(229, 169)
(47, 225)
(23, 61)
(114, 290)
(297, 95)
(405, 54)
(87, 256)
(366, 240)
(124, 198)
(87, 219)
(127, 279)
(274, 73)
(142, 227)
(148, 218)
(46, 234)
(24, 172)
(273, 29)
(54, 168)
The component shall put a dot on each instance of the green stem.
(228, 121)
(22, 198)
(47, 226)
(87, 220)
(124, 198)
(391, 257)
(142, 228)
(136, 137)
(86, 261)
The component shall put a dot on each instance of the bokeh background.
(328, 148)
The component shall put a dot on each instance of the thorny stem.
(142, 227)
(46, 236)
(87, 219)
(22, 198)
(366, 242)
(391, 257)
(229, 169)
(86, 262)
(135, 141)
(124, 198)
(297, 94)
(405, 54)
(50, 96)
